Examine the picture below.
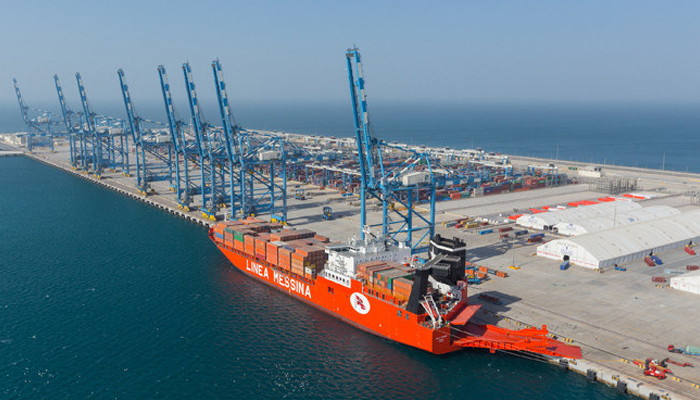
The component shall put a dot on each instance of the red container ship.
(372, 285)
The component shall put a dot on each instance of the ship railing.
(432, 310)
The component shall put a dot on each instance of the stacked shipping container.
(387, 278)
(301, 251)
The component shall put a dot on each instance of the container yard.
(539, 246)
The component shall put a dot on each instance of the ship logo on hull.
(359, 303)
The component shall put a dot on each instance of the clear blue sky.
(545, 50)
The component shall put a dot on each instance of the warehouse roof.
(641, 237)
(617, 219)
(577, 214)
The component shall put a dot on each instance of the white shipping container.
(415, 178)
(269, 155)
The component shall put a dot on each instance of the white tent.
(574, 228)
(627, 243)
(550, 219)
(689, 282)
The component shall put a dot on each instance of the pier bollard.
(563, 364)
(621, 386)
(591, 375)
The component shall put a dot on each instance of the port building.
(626, 243)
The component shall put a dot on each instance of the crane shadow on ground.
(493, 303)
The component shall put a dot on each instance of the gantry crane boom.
(91, 128)
(179, 140)
(23, 107)
(201, 129)
(232, 140)
(399, 184)
(68, 119)
(39, 126)
(136, 134)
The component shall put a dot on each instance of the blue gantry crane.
(241, 170)
(41, 128)
(107, 141)
(232, 143)
(95, 137)
(260, 161)
(396, 187)
(74, 125)
(186, 151)
(154, 149)
(212, 166)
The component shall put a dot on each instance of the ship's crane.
(259, 160)
(396, 187)
(40, 126)
(154, 152)
(73, 122)
(185, 150)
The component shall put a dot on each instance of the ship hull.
(349, 303)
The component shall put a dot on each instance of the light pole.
(512, 250)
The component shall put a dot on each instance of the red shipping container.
(239, 245)
(249, 241)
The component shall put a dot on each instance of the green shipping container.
(392, 278)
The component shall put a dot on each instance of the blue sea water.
(105, 297)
